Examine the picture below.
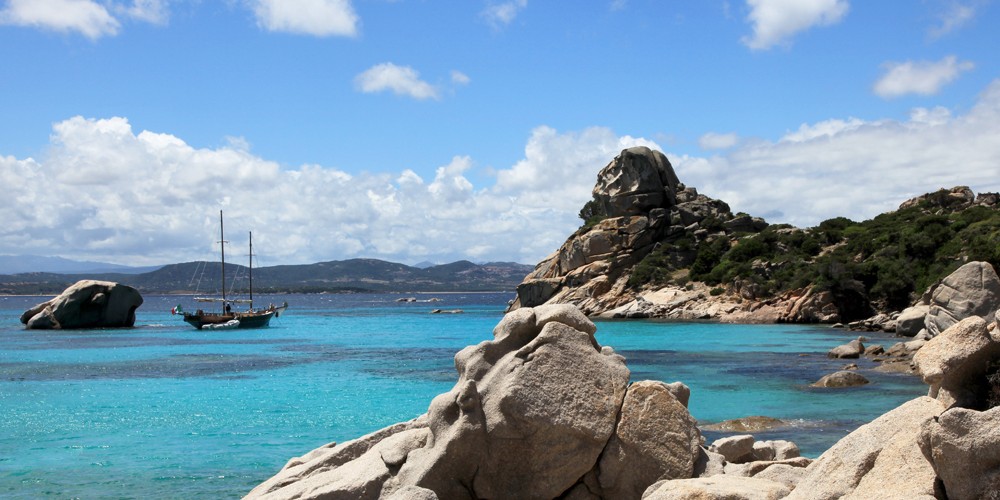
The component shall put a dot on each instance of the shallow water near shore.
(166, 411)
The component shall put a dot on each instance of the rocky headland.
(652, 247)
(544, 411)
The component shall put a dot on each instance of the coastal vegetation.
(889, 260)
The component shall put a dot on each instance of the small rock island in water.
(86, 304)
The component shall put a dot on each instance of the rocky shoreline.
(648, 239)
(544, 411)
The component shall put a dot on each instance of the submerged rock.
(850, 350)
(746, 424)
(86, 304)
(843, 378)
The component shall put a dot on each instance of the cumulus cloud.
(89, 18)
(776, 21)
(106, 192)
(401, 80)
(500, 14)
(919, 77)
(855, 168)
(307, 17)
(86, 17)
(713, 140)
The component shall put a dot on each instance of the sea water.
(166, 411)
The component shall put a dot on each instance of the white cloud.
(307, 17)
(500, 14)
(150, 11)
(108, 193)
(776, 21)
(827, 128)
(956, 16)
(105, 192)
(401, 80)
(85, 17)
(919, 77)
(713, 140)
(459, 78)
(855, 168)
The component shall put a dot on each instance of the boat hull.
(247, 319)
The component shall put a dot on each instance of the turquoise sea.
(166, 411)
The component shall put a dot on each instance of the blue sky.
(415, 130)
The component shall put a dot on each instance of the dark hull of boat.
(247, 320)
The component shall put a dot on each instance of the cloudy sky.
(412, 130)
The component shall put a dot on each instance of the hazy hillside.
(334, 276)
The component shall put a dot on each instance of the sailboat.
(228, 318)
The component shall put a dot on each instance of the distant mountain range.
(15, 264)
(354, 275)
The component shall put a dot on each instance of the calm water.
(166, 411)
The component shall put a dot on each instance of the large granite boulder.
(963, 446)
(972, 290)
(955, 362)
(86, 304)
(911, 321)
(656, 438)
(724, 487)
(638, 181)
(881, 459)
(530, 415)
(736, 449)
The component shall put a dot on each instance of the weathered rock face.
(724, 487)
(86, 304)
(955, 362)
(656, 438)
(540, 411)
(972, 290)
(964, 447)
(644, 205)
(638, 181)
(911, 321)
(877, 459)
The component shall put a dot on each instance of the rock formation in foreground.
(540, 411)
(543, 411)
(86, 304)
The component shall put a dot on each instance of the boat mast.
(222, 246)
(251, 270)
